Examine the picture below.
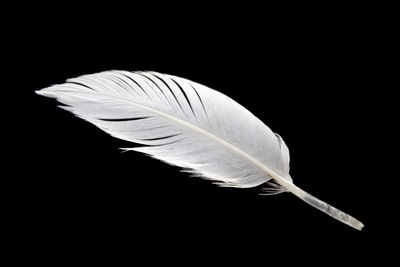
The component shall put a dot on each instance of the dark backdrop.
(306, 75)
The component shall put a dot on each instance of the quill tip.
(353, 222)
(358, 225)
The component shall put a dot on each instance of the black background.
(307, 74)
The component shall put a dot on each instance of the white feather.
(186, 124)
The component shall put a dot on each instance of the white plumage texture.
(166, 113)
(186, 124)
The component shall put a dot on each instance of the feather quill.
(189, 125)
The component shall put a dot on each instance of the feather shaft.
(321, 205)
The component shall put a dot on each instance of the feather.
(189, 125)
